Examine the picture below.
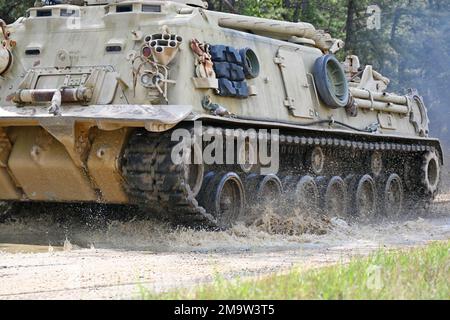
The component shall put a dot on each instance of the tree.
(10, 10)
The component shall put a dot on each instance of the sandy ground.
(114, 262)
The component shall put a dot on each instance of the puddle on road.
(42, 233)
(23, 248)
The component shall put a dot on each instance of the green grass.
(420, 273)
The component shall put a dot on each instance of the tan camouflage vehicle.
(92, 94)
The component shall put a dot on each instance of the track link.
(155, 183)
(159, 186)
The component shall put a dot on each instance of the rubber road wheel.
(331, 82)
(393, 196)
(307, 194)
(226, 199)
(251, 63)
(335, 198)
(365, 198)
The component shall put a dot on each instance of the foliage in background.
(411, 48)
(10, 10)
(421, 273)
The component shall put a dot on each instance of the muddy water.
(23, 248)
(43, 256)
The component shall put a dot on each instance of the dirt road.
(113, 263)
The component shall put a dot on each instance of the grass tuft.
(419, 273)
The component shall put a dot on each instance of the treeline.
(410, 44)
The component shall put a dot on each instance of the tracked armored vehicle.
(95, 95)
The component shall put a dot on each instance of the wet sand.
(114, 262)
